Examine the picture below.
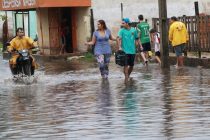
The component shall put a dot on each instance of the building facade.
(110, 10)
(49, 16)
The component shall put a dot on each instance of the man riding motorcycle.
(20, 42)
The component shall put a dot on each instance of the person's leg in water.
(106, 65)
(157, 56)
(13, 69)
(100, 60)
(180, 59)
(144, 58)
(158, 59)
(128, 68)
(33, 65)
(126, 73)
(141, 54)
(146, 48)
(103, 64)
(131, 64)
(13, 65)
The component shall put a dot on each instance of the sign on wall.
(13, 4)
(30, 4)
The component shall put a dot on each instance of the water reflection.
(168, 110)
(105, 99)
(181, 102)
(19, 112)
(128, 103)
(129, 93)
(21, 101)
(78, 104)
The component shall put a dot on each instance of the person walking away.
(102, 50)
(128, 40)
(140, 53)
(178, 36)
(143, 30)
(155, 40)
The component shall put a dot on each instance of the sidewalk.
(47, 58)
(194, 54)
(191, 60)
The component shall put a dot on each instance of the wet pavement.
(73, 102)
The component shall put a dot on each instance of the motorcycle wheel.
(27, 68)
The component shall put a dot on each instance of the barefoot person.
(127, 41)
(102, 50)
(178, 36)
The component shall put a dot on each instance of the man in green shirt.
(127, 40)
(143, 30)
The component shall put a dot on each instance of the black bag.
(120, 58)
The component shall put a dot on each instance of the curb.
(188, 61)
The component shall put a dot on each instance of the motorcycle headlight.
(25, 54)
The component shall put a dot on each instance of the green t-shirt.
(128, 38)
(143, 30)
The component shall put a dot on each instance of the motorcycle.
(24, 70)
(24, 64)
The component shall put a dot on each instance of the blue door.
(26, 20)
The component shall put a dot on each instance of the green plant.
(88, 57)
(1, 45)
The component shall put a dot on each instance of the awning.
(33, 4)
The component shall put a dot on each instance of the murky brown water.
(69, 102)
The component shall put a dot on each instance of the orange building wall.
(64, 3)
(17, 5)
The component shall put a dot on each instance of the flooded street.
(72, 102)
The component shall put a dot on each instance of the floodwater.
(73, 102)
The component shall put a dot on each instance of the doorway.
(66, 29)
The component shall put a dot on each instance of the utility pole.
(163, 34)
(121, 5)
(92, 28)
(198, 28)
(92, 22)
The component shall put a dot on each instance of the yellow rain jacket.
(178, 33)
(20, 44)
